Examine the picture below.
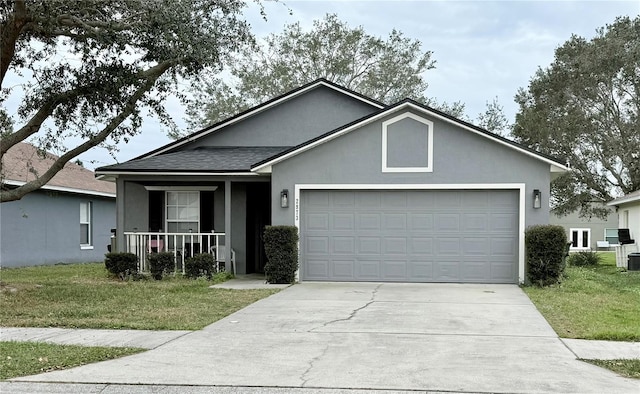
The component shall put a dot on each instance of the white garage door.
(410, 236)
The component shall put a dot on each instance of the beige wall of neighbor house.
(585, 233)
(628, 208)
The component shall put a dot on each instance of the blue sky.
(482, 49)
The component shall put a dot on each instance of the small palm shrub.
(584, 259)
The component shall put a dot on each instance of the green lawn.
(593, 303)
(85, 296)
(628, 368)
(30, 358)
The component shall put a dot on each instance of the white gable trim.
(259, 109)
(385, 133)
(421, 186)
(266, 167)
(63, 189)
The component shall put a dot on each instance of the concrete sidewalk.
(146, 339)
(363, 336)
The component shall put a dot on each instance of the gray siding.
(597, 225)
(460, 157)
(44, 228)
(292, 122)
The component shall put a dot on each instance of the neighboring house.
(68, 220)
(400, 193)
(589, 233)
(628, 208)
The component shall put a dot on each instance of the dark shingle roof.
(202, 159)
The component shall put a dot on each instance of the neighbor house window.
(580, 238)
(85, 225)
(183, 211)
(611, 236)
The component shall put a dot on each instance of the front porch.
(195, 214)
(182, 245)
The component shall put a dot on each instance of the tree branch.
(152, 76)
(10, 33)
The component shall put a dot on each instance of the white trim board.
(266, 167)
(103, 173)
(385, 136)
(63, 189)
(521, 187)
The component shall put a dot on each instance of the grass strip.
(601, 302)
(626, 368)
(30, 358)
(85, 296)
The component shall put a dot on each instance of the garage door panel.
(475, 271)
(476, 246)
(368, 269)
(421, 222)
(421, 245)
(343, 221)
(394, 270)
(317, 245)
(343, 269)
(344, 245)
(446, 271)
(395, 221)
(317, 269)
(420, 270)
(394, 245)
(413, 236)
(447, 246)
(369, 221)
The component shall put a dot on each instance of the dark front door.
(258, 216)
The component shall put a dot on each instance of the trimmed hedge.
(200, 265)
(160, 264)
(281, 248)
(121, 264)
(584, 259)
(547, 248)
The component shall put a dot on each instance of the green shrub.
(584, 259)
(161, 264)
(121, 265)
(546, 251)
(281, 247)
(200, 265)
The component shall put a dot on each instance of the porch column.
(227, 226)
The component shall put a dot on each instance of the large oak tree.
(387, 70)
(584, 107)
(89, 68)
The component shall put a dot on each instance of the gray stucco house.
(589, 233)
(398, 192)
(69, 220)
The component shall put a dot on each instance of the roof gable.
(258, 109)
(628, 198)
(407, 104)
(22, 163)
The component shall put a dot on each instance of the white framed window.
(580, 238)
(182, 211)
(425, 141)
(86, 241)
(611, 236)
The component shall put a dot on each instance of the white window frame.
(385, 132)
(87, 206)
(605, 236)
(166, 209)
(580, 231)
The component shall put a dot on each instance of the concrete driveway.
(437, 337)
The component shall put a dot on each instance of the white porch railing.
(182, 245)
(622, 253)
